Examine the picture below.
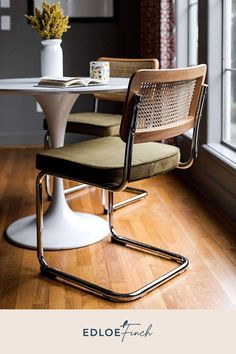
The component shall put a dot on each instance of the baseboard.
(17, 139)
(33, 139)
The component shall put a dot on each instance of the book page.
(68, 81)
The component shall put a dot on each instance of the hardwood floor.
(174, 216)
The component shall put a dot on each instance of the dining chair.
(101, 124)
(160, 104)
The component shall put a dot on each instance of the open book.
(65, 81)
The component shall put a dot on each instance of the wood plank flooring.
(174, 216)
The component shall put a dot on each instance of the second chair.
(101, 124)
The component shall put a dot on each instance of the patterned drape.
(157, 31)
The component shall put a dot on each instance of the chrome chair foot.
(47, 274)
(139, 194)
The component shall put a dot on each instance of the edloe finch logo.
(127, 329)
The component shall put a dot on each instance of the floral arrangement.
(51, 23)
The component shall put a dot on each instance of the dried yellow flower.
(51, 23)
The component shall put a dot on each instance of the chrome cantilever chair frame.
(128, 135)
(124, 70)
(115, 238)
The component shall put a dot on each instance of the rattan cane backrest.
(169, 102)
(121, 67)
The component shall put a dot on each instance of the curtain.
(157, 31)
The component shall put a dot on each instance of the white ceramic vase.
(51, 58)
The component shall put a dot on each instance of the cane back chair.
(160, 104)
(105, 124)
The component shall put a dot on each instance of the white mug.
(100, 70)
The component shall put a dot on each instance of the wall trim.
(11, 139)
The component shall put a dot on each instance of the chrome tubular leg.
(104, 201)
(110, 209)
(48, 187)
(39, 221)
(39, 216)
(139, 194)
(181, 261)
(47, 178)
(46, 141)
(75, 189)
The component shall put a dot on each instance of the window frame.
(227, 70)
(192, 32)
(214, 173)
(215, 104)
(185, 32)
(211, 52)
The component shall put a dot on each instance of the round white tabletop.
(63, 228)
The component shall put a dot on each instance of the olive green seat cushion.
(91, 123)
(100, 161)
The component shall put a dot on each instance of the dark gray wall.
(20, 57)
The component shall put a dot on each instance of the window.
(229, 74)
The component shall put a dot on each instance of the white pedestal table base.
(71, 231)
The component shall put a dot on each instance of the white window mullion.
(226, 133)
(192, 32)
